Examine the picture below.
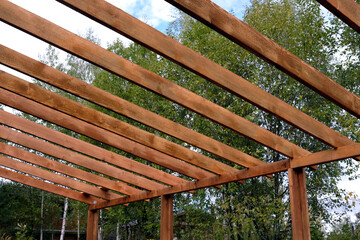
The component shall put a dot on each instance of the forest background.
(257, 209)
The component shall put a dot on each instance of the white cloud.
(153, 12)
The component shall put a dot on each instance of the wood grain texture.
(93, 94)
(226, 24)
(349, 151)
(109, 16)
(261, 170)
(347, 10)
(49, 187)
(299, 204)
(123, 23)
(87, 149)
(167, 218)
(92, 225)
(52, 177)
(99, 134)
(83, 161)
(91, 52)
(72, 108)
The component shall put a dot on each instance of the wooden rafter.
(239, 32)
(65, 169)
(81, 160)
(95, 54)
(109, 16)
(72, 108)
(150, 182)
(50, 176)
(87, 148)
(123, 23)
(93, 94)
(99, 134)
(46, 186)
(347, 10)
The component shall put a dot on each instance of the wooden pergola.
(135, 181)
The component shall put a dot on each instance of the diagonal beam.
(88, 149)
(149, 37)
(93, 94)
(61, 191)
(99, 134)
(66, 169)
(349, 151)
(239, 32)
(53, 177)
(125, 24)
(261, 170)
(347, 10)
(75, 109)
(81, 160)
(91, 52)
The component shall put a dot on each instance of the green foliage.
(258, 208)
(346, 229)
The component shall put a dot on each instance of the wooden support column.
(167, 218)
(92, 225)
(299, 204)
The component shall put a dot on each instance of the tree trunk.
(78, 224)
(117, 231)
(66, 204)
(100, 226)
(42, 215)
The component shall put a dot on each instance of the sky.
(157, 13)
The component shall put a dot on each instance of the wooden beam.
(143, 34)
(91, 52)
(93, 94)
(75, 109)
(261, 170)
(81, 160)
(65, 169)
(85, 148)
(349, 151)
(299, 205)
(167, 218)
(347, 10)
(92, 225)
(239, 32)
(127, 25)
(46, 186)
(99, 134)
(54, 177)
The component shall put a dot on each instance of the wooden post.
(299, 204)
(167, 218)
(92, 225)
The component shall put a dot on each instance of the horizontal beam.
(83, 161)
(149, 37)
(49, 187)
(87, 149)
(138, 31)
(51, 176)
(99, 134)
(90, 115)
(32, 24)
(261, 170)
(347, 10)
(239, 32)
(349, 151)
